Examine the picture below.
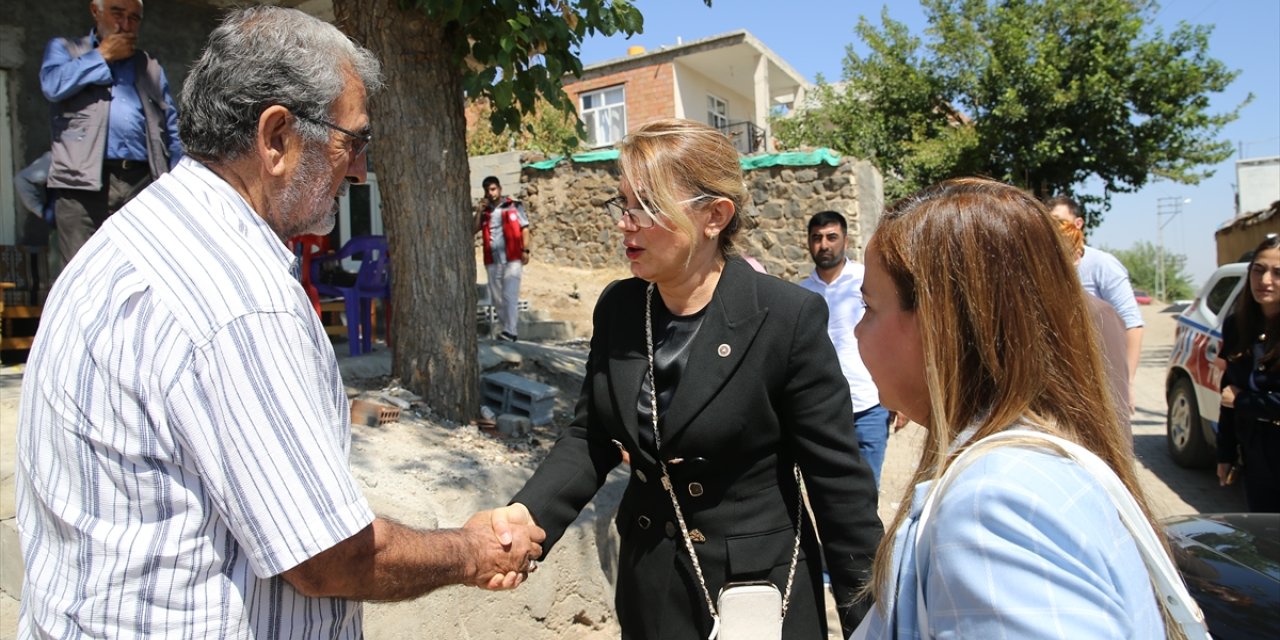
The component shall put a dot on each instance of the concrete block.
(544, 330)
(509, 393)
(511, 425)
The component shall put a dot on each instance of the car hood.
(1231, 564)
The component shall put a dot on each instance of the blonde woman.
(739, 371)
(976, 324)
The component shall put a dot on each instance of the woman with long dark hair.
(1250, 418)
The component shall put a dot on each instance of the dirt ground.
(564, 293)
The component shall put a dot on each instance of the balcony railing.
(745, 135)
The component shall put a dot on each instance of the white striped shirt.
(183, 433)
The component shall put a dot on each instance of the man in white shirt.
(1103, 276)
(839, 281)
(184, 431)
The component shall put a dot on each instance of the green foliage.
(547, 129)
(1142, 262)
(1044, 94)
(517, 51)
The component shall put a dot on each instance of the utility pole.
(1167, 207)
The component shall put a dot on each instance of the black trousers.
(1260, 451)
(79, 213)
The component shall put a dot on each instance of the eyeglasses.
(640, 217)
(362, 140)
(617, 207)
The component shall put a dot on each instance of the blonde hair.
(1004, 327)
(671, 160)
(1073, 236)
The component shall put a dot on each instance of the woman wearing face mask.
(745, 386)
(976, 327)
(1250, 417)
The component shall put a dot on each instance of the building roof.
(713, 56)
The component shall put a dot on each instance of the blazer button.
(640, 476)
(695, 489)
(671, 529)
(644, 522)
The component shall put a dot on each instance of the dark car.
(1231, 564)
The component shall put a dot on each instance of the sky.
(812, 36)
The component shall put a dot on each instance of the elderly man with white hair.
(114, 127)
(183, 429)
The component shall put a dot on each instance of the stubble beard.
(305, 201)
(827, 261)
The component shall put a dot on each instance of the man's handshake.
(507, 545)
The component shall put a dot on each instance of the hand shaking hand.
(507, 544)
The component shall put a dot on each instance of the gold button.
(696, 536)
(671, 529)
(643, 521)
(695, 489)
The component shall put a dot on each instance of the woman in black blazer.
(748, 387)
(1250, 415)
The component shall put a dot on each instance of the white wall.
(692, 89)
(1259, 183)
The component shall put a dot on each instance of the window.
(1220, 294)
(717, 112)
(604, 114)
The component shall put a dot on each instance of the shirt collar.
(845, 273)
(256, 230)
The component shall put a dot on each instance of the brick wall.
(650, 92)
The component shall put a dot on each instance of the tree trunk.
(420, 156)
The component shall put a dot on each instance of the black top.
(1258, 395)
(672, 335)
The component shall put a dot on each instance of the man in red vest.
(505, 228)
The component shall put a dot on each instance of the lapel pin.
(724, 350)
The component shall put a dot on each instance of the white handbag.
(1169, 588)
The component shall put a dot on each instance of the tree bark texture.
(420, 156)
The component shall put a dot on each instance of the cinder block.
(507, 392)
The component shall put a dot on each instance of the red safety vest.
(511, 231)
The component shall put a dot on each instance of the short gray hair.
(259, 57)
(99, 4)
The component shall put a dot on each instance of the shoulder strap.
(1171, 593)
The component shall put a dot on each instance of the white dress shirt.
(844, 302)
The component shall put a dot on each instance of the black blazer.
(762, 390)
(1258, 400)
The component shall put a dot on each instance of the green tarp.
(791, 159)
(787, 159)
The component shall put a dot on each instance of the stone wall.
(571, 227)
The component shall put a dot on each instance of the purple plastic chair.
(372, 281)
